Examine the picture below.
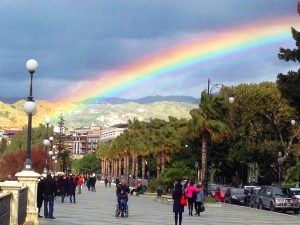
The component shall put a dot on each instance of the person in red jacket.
(79, 184)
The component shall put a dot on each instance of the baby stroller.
(122, 209)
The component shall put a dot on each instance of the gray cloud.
(72, 40)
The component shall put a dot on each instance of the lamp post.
(46, 143)
(197, 169)
(30, 109)
(210, 87)
(280, 163)
(51, 151)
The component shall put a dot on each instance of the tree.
(88, 164)
(12, 162)
(3, 145)
(208, 121)
(261, 127)
(63, 154)
(289, 84)
(19, 140)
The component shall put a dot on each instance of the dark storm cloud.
(74, 39)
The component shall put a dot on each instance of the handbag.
(183, 200)
(202, 208)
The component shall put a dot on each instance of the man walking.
(48, 186)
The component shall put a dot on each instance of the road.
(97, 208)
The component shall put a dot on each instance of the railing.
(22, 205)
(5, 209)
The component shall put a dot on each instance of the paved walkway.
(97, 208)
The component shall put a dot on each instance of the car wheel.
(272, 208)
(296, 211)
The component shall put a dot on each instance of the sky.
(75, 40)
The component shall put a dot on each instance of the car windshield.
(282, 191)
(224, 189)
(237, 191)
(296, 192)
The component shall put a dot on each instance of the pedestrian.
(105, 181)
(178, 208)
(63, 185)
(109, 181)
(88, 182)
(79, 184)
(199, 202)
(40, 197)
(49, 188)
(93, 183)
(191, 194)
(72, 190)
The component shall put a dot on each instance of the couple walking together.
(194, 195)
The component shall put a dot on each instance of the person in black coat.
(49, 189)
(40, 197)
(178, 209)
(72, 189)
(63, 185)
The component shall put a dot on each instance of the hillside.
(82, 115)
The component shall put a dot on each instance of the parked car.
(277, 198)
(296, 192)
(235, 196)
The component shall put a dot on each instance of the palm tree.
(209, 121)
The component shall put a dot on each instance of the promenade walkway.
(97, 208)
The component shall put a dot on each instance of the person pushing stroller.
(122, 195)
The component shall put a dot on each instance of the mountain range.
(98, 111)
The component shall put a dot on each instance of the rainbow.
(193, 52)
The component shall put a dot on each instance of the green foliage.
(88, 164)
(3, 145)
(293, 174)
(289, 84)
(19, 140)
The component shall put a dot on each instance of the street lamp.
(280, 163)
(293, 122)
(30, 109)
(197, 168)
(46, 143)
(209, 90)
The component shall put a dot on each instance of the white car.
(296, 192)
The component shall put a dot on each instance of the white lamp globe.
(35, 111)
(293, 122)
(29, 107)
(50, 153)
(55, 161)
(56, 129)
(231, 100)
(51, 138)
(53, 157)
(47, 120)
(32, 65)
(46, 142)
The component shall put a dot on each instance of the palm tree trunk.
(204, 160)
(120, 167)
(163, 161)
(136, 169)
(132, 165)
(143, 168)
(157, 165)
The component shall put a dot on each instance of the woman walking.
(191, 194)
(199, 200)
(178, 208)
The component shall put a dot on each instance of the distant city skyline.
(76, 41)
